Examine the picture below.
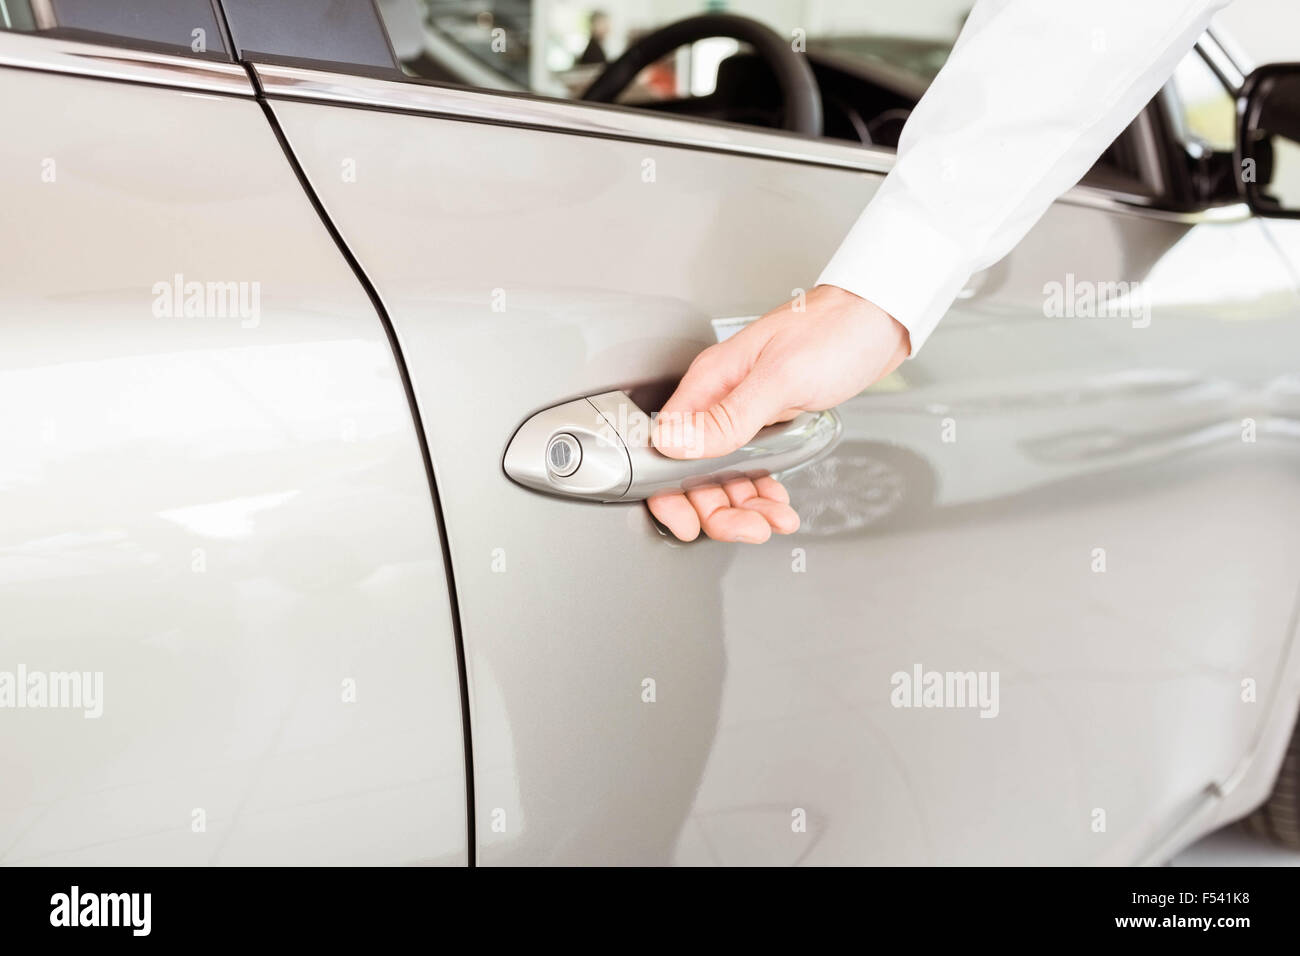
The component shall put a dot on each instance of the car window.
(180, 26)
(1204, 110)
(557, 47)
(342, 34)
(872, 60)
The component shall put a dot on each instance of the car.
(321, 525)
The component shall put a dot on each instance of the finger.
(677, 514)
(769, 487)
(774, 505)
(699, 415)
(735, 419)
(712, 374)
(780, 516)
(722, 522)
(707, 499)
(739, 490)
(741, 525)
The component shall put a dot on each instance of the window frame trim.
(612, 121)
(123, 63)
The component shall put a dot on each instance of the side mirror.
(1268, 140)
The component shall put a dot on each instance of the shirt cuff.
(893, 258)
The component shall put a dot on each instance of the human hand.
(782, 364)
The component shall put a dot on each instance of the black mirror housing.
(1268, 140)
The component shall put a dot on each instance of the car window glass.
(555, 47)
(1204, 111)
(179, 26)
(873, 59)
(343, 34)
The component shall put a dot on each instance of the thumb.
(716, 428)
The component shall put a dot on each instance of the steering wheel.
(800, 94)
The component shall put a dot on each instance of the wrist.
(880, 322)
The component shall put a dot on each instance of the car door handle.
(598, 449)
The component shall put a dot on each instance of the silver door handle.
(598, 448)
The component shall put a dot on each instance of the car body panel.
(229, 516)
(523, 267)
(222, 510)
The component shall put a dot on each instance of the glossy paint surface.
(637, 700)
(220, 511)
(226, 518)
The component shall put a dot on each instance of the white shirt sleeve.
(1033, 93)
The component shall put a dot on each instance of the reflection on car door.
(211, 495)
(1092, 529)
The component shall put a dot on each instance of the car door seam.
(408, 387)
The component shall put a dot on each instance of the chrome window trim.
(58, 55)
(1221, 65)
(1225, 57)
(536, 112)
(32, 51)
(612, 122)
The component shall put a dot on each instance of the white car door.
(1099, 556)
(225, 631)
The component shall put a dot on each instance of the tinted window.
(329, 31)
(182, 26)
